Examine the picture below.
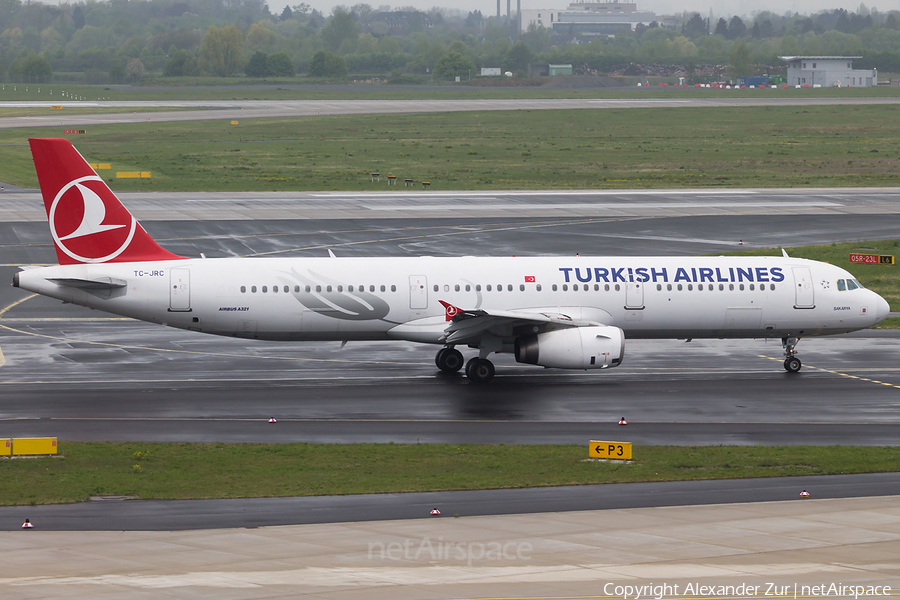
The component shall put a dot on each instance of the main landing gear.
(450, 360)
(792, 364)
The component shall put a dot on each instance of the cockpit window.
(851, 284)
(842, 287)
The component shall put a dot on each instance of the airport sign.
(872, 259)
(610, 450)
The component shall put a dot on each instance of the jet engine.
(596, 347)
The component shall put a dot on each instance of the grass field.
(260, 470)
(883, 279)
(627, 148)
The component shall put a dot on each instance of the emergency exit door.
(179, 290)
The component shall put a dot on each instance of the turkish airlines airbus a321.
(562, 312)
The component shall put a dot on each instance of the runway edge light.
(609, 450)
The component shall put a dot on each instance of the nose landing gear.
(792, 364)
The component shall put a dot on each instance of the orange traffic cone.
(435, 511)
(804, 494)
(622, 421)
(27, 524)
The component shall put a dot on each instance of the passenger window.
(478, 287)
(596, 287)
(730, 287)
(700, 287)
(618, 287)
(447, 288)
(393, 288)
(508, 287)
(372, 288)
(521, 287)
(751, 287)
(668, 287)
(500, 288)
(308, 289)
(274, 289)
(318, 288)
(253, 289)
(327, 288)
(606, 287)
(243, 289)
(340, 288)
(538, 287)
(296, 289)
(721, 287)
(565, 288)
(690, 287)
(436, 288)
(349, 288)
(679, 287)
(574, 287)
(554, 287)
(851, 284)
(487, 287)
(468, 287)
(658, 287)
(265, 289)
(456, 288)
(742, 287)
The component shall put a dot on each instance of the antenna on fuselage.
(784, 253)
(331, 254)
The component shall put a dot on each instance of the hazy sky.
(720, 8)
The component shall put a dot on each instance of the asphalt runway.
(78, 374)
(255, 109)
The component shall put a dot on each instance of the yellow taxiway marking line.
(848, 375)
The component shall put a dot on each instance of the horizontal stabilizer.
(100, 283)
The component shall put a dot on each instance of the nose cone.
(882, 309)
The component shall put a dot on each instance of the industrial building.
(587, 18)
(828, 71)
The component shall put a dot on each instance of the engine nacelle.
(597, 347)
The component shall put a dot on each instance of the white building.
(828, 71)
(588, 18)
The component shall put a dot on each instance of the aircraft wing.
(467, 326)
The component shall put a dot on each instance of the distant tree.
(341, 27)
(455, 64)
(892, 21)
(722, 28)
(280, 65)
(766, 29)
(286, 14)
(740, 60)
(31, 68)
(736, 28)
(257, 66)
(517, 59)
(78, 17)
(180, 64)
(302, 8)
(326, 64)
(222, 51)
(695, 26)
(134, 69)
(117, 73)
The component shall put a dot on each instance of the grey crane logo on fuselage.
(331, 298)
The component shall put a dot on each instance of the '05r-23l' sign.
(872, 259)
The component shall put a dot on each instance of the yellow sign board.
(56, 108)
(5, 447)
(132, 174)
(33, 446)
(612, 450)
(234, 122)
(98, 166)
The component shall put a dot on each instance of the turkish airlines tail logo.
(450, 311)
(87, 221)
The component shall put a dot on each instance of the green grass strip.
(264, 470)
(778, 147)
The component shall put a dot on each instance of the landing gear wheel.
(449, 360)
(480, 370)
(792, 365)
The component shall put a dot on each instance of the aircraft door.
(179, 290)
(634, 295)
(803, 288)
(418, 292)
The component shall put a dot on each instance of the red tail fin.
(87, 221)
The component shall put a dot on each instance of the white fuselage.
(398, 298)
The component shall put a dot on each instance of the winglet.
(450, 311)
(87, 221)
